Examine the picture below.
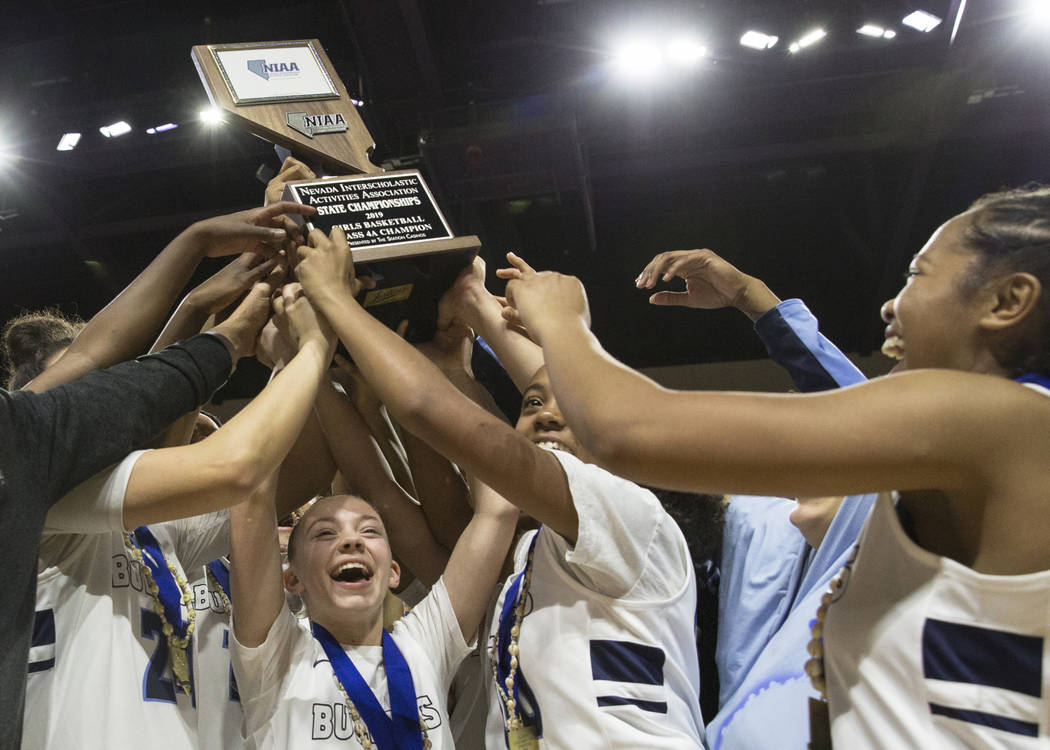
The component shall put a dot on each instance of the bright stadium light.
(807, 40)
(68, 142)
(922, 21)
(870, 29)
(1038, 11)
(889, 34)
(211, 116)
(758, 40)
(161, 128)
(637, 59)
(116, 129)
(685, 52)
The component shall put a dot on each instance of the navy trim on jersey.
(954, 652)
(630, 663)
(622, 661)
(43, 635)
(994, 721)
(656, 707)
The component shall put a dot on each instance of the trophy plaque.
(288, 93)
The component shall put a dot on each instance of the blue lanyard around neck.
(401, 731)
(1035, 378)
(503, 637)
(222, 575)
(168, 593)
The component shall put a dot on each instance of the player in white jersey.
(115, 612)
(99, 669)
(963, 442)
(622, 596)
(347, 679)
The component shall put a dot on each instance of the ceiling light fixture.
(758, 40)
(922, 21)
(68, 142)
(115, 130)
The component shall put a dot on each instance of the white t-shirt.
(288, 689)
(99, 669)
(607, 643)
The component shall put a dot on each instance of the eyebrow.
(332, 519)
(315, 521)
(531, 388)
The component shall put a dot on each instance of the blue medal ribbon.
(1033, 377)
(529, 713)
(168, 593)
(401, 731)
(222, 575)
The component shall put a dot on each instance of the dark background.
(821, 172)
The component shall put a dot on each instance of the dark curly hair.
(30, 339)
(1010, 233)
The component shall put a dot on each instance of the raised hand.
(325, 268)
(273, 349)
(292, 169)
(540, 300)
(242, 328)
(231, 281)
(260, 230)
(462, 303)
(711, 282)
(297, 320)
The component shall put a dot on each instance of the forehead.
(948, 239)
(345, 507)
(540, 381)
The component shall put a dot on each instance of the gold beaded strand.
(178, 645)
(506, 690)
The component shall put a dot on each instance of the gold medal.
(180, 666)
(522, 738)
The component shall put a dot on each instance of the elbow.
(241, 472)
(413, 411)
(612, 445)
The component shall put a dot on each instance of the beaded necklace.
(518, 734)
(179, 633)
(220, 589)
(360, 730)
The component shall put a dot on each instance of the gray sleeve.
(71, 432)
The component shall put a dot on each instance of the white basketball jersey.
(99, 673)
(218, 702)
(290, 696)
(921, 651)
(607, 645)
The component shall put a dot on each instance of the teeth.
(893, 347)
(551, 445)
(349, 565)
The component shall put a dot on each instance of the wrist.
(756, 299)
(329, 299)
(487, 317)
(226, 341)
(195, 238)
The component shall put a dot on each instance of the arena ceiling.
(821, 172)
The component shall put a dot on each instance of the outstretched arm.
(256, 588)
(473, 569)
(426, 403)
(468, 303)
(123, 328)
(788, 329)
(905, 432)
(222, 468)
(222, 289)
